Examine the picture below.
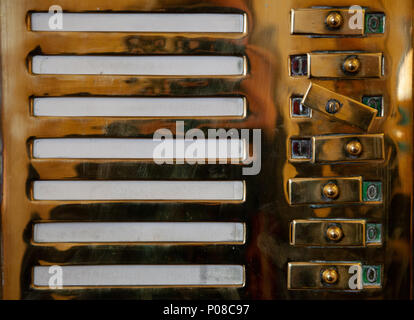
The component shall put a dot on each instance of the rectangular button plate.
(309, 276)
(313, 22)
(314, 233)
(351, 111)
(310, 190)
(330, 65)
(336, 148)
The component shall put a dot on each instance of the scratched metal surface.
(267, 87)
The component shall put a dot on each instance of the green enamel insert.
(374, 23)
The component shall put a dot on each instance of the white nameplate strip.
(140, 22)
(139, 275)
(138, 107)
(146, 149)
(157, 232)
(140, 65)
(139, 190)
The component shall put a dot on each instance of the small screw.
(333, 106)
(372, 192)
(372, 233)
(372, 275)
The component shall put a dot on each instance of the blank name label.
(141, 22)
(99, 232)
(140, 65)
(139, 190)
(140, 275)
(138, 107)
(146, 149)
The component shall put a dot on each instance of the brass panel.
(331, 65)
(310, 190)
(267, 87)
(334, 148)
(350, 111)
(313, 22)
(309, 275)
(313, 233)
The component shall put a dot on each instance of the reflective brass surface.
(334, 20)
(321, 276)
(333, 106)
(354, 148)
(352, 65)
(328, 233)
(330, 276)
(351, 111)
(334, 233)
(318, 21)
(348, 148)
(325, 190)
(331, 191)
(268, 44)
(345, 65)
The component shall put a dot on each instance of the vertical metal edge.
(245, 24)
(289, 191)
(292, 21)
(289, 275)
(292, 233)
(2, 10)
(313, 151)
(364, 233)
(412, 167)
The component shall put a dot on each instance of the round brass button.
(334, 233)
(354, 148)
(333, 106)
(330, 276)
(334, 20)
(352, 65)
(331, 191)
